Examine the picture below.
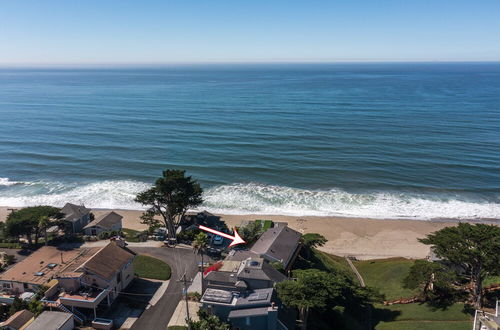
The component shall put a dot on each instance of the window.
(247, 320)
(25, 286)
(119, 278)
(6, 285)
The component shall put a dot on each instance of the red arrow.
(236, 238)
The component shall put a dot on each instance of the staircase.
(76, 314)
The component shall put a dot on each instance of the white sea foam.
(258, 199)
(7, 182)
(105, 194)
(265, 199)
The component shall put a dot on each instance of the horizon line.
(194, 63)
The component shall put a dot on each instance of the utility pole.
(185, 282)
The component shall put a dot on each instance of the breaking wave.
(252, 198)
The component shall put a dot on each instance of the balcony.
(84, 297)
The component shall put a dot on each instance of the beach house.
(75, 279)
(106, 222)
(278, 244)
(49, 320)
(76, 217)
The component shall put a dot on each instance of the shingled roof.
(108, 261)
(106, 220)
(18, 319)
(278, 244)
(74, 212)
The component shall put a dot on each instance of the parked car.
(218, 240)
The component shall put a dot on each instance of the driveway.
(180, 260)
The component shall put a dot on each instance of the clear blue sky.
(149, 32)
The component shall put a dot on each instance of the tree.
(43, 224)
(432, 279)
(473, 248)
(36, 307)
(17, 305)
(26, 221)
(311, 289)
(207, 321)
(200, 243)
(312, 240)
(171, 196)
(251, 232)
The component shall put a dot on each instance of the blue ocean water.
(414, 141)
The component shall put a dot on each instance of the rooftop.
(49, 320)
(105, 220)
(249, 312)
(256, 297)
(18, 319)
(74, 212)
(278, 243)
(108, 261)
(257, 269)
(47, 263)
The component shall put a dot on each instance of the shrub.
(104, 235)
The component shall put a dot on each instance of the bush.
(9, 259)
(188, 235)
(194, 296)
(103, 235)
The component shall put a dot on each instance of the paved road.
(179, 259)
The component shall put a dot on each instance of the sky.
(202, 31)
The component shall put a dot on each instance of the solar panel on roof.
(258, 296)
(218, 296)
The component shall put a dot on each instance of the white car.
(218, 240)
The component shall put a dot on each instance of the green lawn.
(11, 245)
(386, 275)
(491, 280)
(267, 224)
(333, 262)
(421, 316)
(131, 235)
(149, 267)
(325, 262)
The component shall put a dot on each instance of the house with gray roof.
(278, 244)
(249, 274)
(250, 309)
(52, 321)
(76, 216)
(110, 221)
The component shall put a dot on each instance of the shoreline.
(363, 238)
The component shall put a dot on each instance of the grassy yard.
(421, 316)
(266, 224)
(131, 235)
(491, 280)
(11, 245)
(386, 275)
(149, 267)
(334, 262)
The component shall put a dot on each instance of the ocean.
(394, 140)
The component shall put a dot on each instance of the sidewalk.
(105, 242)
(179, 317)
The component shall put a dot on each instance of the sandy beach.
(362, 238)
